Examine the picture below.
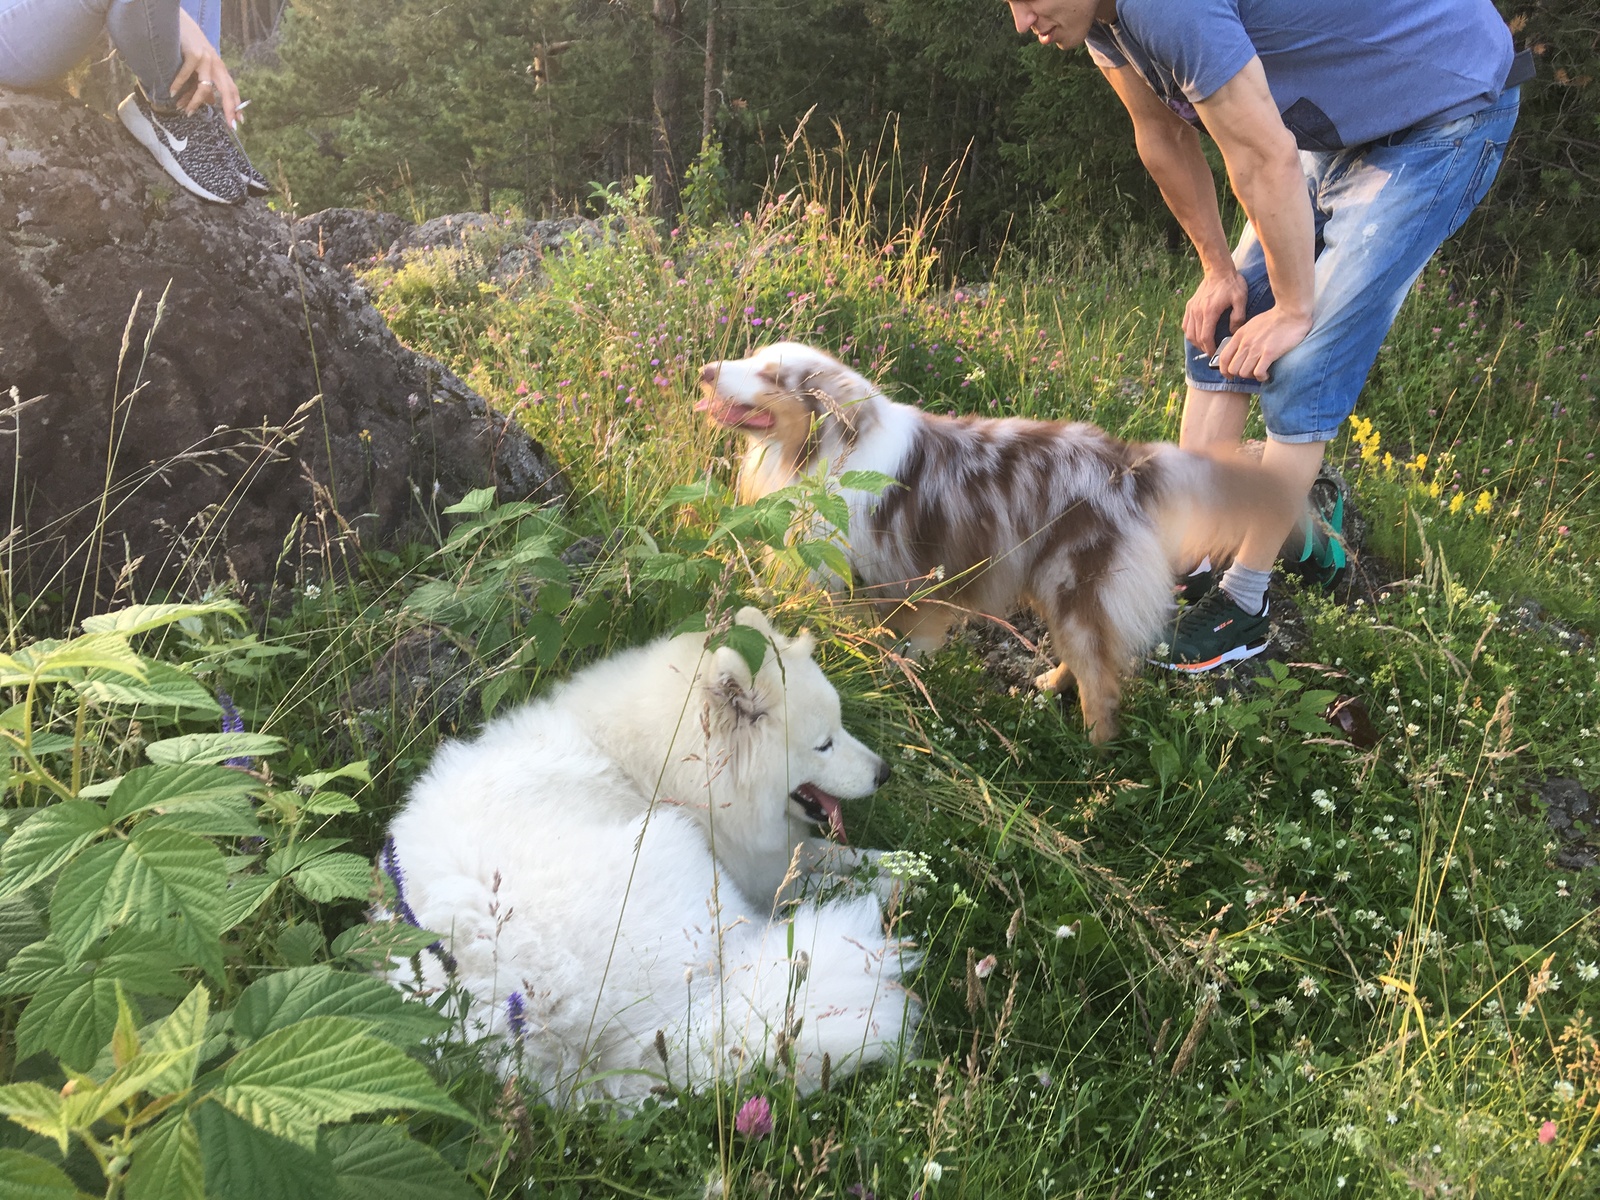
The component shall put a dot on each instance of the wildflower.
(1063, 932)
(1484, 504)
(1284, 1006)
(1307, 986)
(1321, 799)
(985, 966)
(1547, 1133)
(1564, 1091)
(1234, 835)
(1587, 971)
(390, 861)
(1456, 503)
(932, 1172)
(754, 1119)
(516, 1016)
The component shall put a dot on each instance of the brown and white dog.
(1087, 529)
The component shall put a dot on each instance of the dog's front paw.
(1057, 679)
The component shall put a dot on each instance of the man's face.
(1059, 23)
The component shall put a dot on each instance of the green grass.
(1234, 954)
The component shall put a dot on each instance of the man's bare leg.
(1213, 423)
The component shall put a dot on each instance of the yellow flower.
(1456, 502)
(1434, 489)
(1388, 462)
(1418, 463)
(1483, 505)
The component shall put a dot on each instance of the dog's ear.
(735, 698)
(804, 642)
(756, 619)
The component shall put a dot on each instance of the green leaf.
(71, 1017)
(476, 501)
(160, 685)
(212, 748)
(173, 787)
(233, 817)
(36, 1108)
(325, 1069)
(20, 926)
(376, 945)
(24, 1176)
(691, 493)
(361, 771)
(300, 853)
(875, 482)
(184, 1032)
(245, 895)
(836, 511)
(141, 1075)
(381, 1160)
(138, 618)
(246, 1163)
(750, 643)
(44, 842)
(166, 1162)
(329, 803)
(278, 1001)
(435, 600)
(335, 877)
(159, 880)
(47, 661)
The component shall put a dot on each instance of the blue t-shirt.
(1342, 72)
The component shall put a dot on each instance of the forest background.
(423, 108)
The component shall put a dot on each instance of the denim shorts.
(1380, 212)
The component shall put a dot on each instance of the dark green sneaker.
(1214, 632)
(1191, 587)
(1315, 550)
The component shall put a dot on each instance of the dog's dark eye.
(825, 747)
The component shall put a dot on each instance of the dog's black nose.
(883, 773)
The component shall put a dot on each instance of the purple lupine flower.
(516, 1015)
(391, 867)
(389, 860)
(232, 722)
(754, 1119)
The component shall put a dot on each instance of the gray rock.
(191, 386)
(502, 249)
(343, 237)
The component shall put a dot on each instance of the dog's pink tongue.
(834, 811)
(733, 414)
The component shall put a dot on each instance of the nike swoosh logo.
(179, 145)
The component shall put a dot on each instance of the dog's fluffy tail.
(1208, 503)
(831, 990)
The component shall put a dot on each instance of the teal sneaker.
(1315, 551)
(1214, 632)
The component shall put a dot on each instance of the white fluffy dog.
(605, 864)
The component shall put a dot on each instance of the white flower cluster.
(908, 865)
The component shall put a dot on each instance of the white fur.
(614, 853)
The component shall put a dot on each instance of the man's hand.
(1260, 342)
(1219, 292)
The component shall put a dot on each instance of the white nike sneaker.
(193, 150)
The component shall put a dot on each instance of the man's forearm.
(1272, 189)
(1179, 167)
